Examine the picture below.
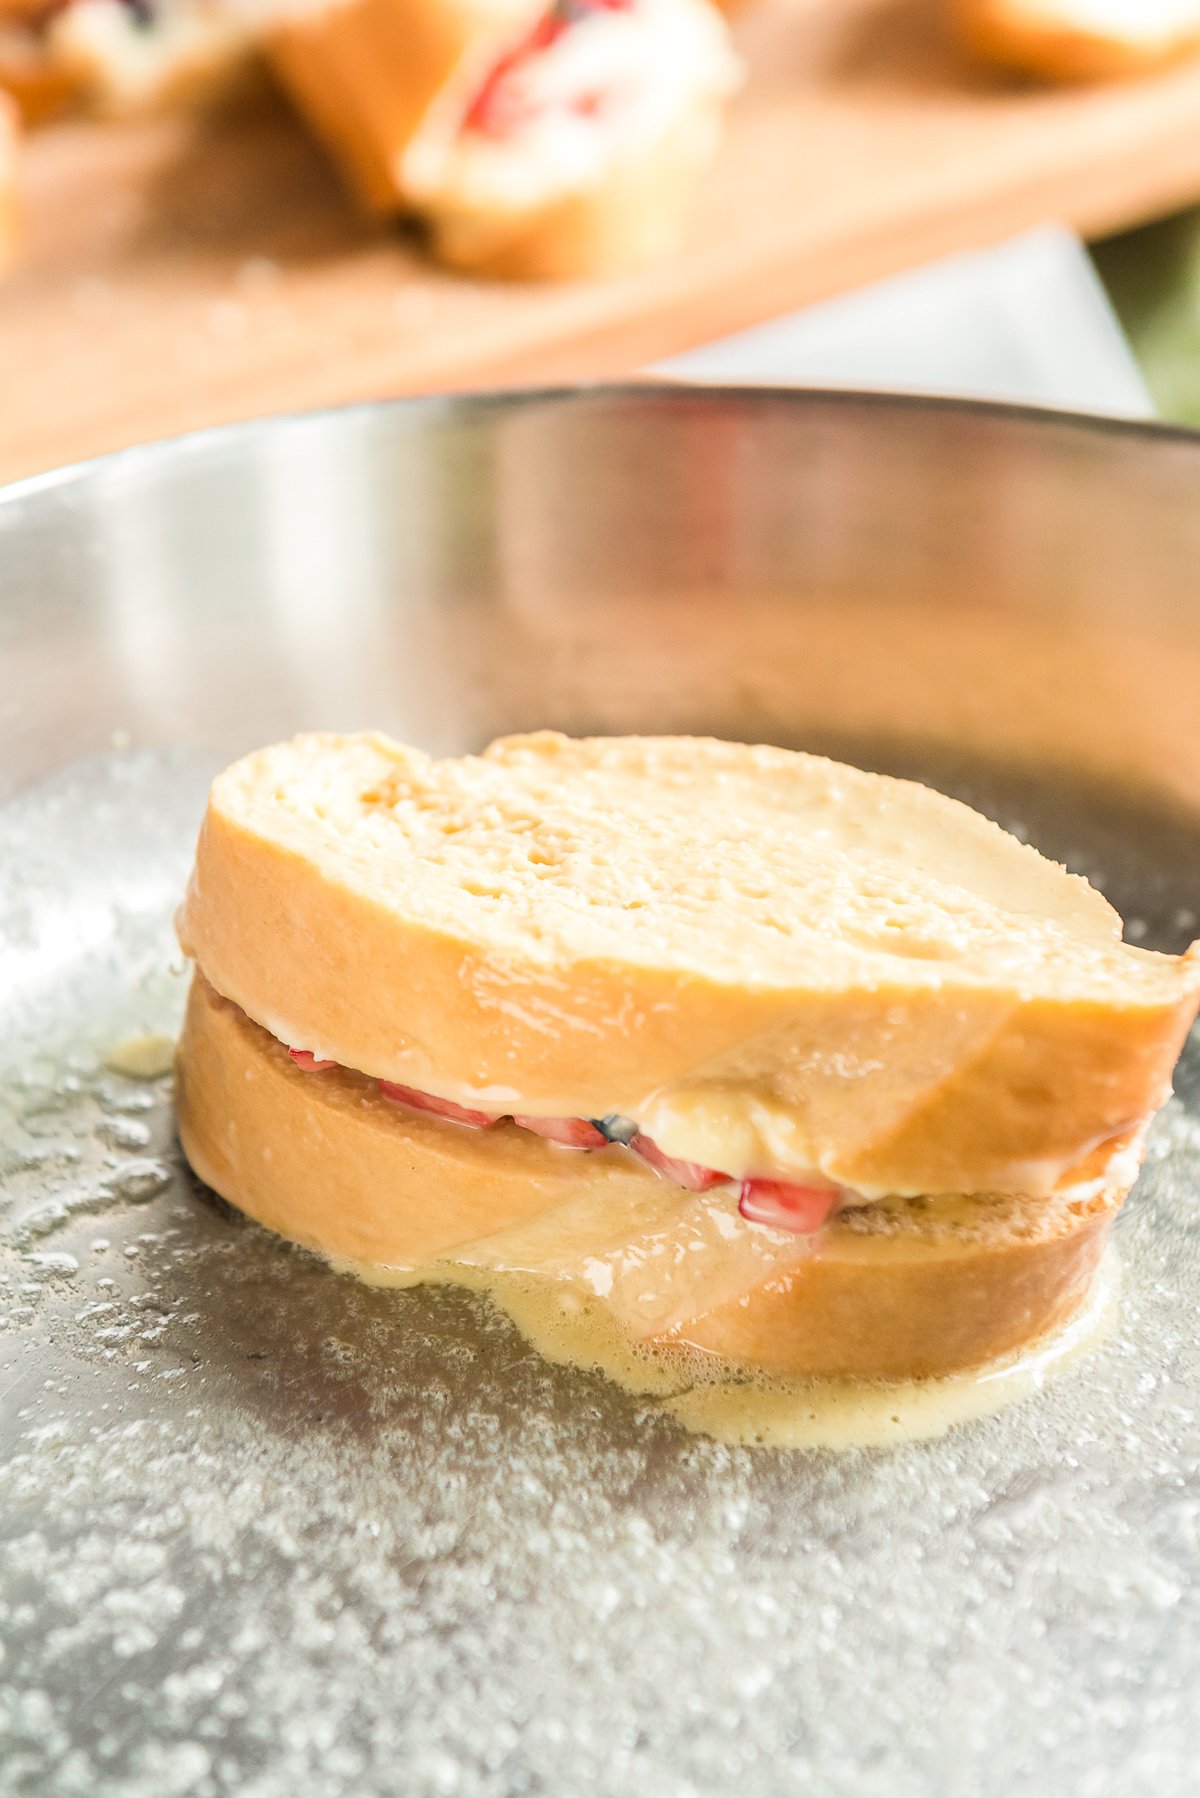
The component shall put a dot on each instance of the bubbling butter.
(572, 1326)
(142, 1057)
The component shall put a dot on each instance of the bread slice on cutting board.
(579, 150)
(127, 59)
(535, 141)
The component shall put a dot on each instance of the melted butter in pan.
(570, 1325)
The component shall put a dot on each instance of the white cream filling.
(1121, 1169)
(647, 68)
(761, 1140)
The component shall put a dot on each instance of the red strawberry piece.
(684, 1173)
(574, 1133)
(310, 1064)
(782, 1206)
(495, 110)
(492, 110)
(441, 1108)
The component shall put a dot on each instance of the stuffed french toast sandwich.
(805, 1070)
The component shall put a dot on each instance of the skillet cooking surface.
(265, 1531)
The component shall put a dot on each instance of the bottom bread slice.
(896, 1290)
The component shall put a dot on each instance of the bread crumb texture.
(745, 865)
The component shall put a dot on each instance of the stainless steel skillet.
(264, 1532)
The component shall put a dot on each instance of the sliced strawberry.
(684, 1173)
(495, 109)
(781, 1206)
(492, 109)
(441, 1108)
(573, 1133)
(310, 1064)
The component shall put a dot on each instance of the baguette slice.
(895, 1291)
(603, 132)
(364, 73)
(633, 218)
(774, 964)
(1080, 40)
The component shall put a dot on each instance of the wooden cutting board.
(189, 270)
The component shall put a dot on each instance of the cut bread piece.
(364, 74)
(536, 143)
(578, 152)
(905, 1289)
(771, 963)
(30, 71)
(630, 220)
(1080, 40)
(124, 58)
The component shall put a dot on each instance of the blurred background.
(212, 209)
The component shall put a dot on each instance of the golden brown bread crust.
(29, 69)
(899, 1290)
(38, 83)
(961, 1089)
(1034, 37)
(325, 1160)
(364, 73)
(928, 1303)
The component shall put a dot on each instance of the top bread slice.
(774, 964)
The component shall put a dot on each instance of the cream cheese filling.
(739, 1145)
(749, 1128)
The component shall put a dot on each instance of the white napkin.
(1027, 321)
